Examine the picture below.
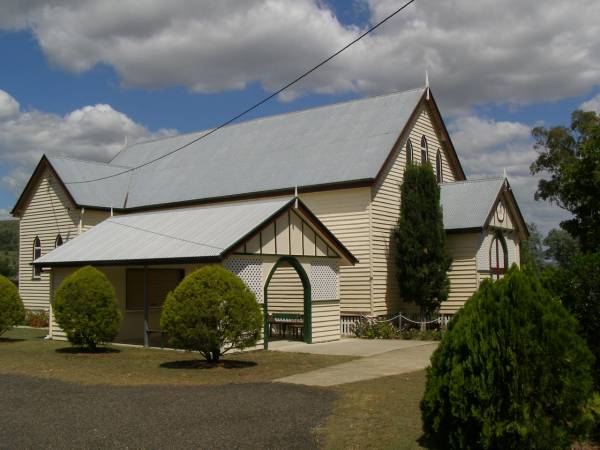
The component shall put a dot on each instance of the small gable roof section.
(473, 205)
(106, 193)
(187, 235)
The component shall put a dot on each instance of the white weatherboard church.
(301, 206)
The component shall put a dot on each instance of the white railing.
(400, 320)
(347, 324)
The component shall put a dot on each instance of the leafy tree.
(561, 247)
(511, 372)
(9, 235)
(578, 287)
(7, 266)
(12, 312)
(211, 311)
(85, 307)
(571, 157)
(422, 259)
(532, 252)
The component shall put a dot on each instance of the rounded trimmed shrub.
(211, 311)
(12, 312)
(511, 372)
(85, 307)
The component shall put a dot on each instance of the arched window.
(424, 152)
(498, 256)
(58, 241)
(409, 152)
(438, 167)
(37, 252)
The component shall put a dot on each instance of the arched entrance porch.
(307, 305)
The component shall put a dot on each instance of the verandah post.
(146, 326)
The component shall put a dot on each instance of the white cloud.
(9, 107)
(592, 104)
(477, 51)
(487, 147)
(5, 214)
(93, 132)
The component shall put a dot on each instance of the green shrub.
(369, 329)
(211, 311)
(12, 312)
(511, 372)
(37, 319)
(421, 335)
(86, 308)
(592, 411)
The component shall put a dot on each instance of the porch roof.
(198, 234)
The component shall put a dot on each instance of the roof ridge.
(217, 205)
(473, 180)
(273, 116)
(88, 161)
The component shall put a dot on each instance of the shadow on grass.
(86, 350)
(4, 340)
(201, 364)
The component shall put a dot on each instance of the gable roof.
(468, 204)
(341, 144)
(195, 234)
(108, 193)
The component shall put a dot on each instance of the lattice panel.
(324, 280)
(249, 270)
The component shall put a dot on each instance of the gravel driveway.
(40, 413)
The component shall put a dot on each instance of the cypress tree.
(422, 258)
(510, 373)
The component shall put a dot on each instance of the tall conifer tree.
(422, 258)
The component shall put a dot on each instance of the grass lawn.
(376, 414)
(383, 414)
(23, 351)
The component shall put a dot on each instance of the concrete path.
(409, 357)
(345, 346)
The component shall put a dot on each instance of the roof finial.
(126, 140)
(296, 197)
(504, 173)
(427, 83)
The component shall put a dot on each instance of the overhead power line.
(256, 105)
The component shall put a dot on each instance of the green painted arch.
(307, 331)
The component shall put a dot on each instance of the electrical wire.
(145, 230)
(256, 105)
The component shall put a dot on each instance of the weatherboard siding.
(57, 276)
(285, 291)
(501, 211)
(325, 321)
(346, 213)
(385, 212)
(463, 271)
(49, 212)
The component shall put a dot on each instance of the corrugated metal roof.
(188, 233)
(333, 144)
(109, 193)
(467, 204)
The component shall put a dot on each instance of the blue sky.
(158, 79)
